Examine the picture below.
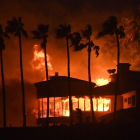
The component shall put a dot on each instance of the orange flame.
(101, 81)
(62, 105)
(38, 61)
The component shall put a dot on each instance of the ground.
(117, 130)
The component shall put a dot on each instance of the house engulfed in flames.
(103, 96)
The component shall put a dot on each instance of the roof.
(108, 89)
(58, 86)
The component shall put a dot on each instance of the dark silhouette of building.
(103, 96)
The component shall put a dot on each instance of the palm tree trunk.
(47, 79)
(3, 90)
(117, 80)
(69, 84)
(90, 86)
(22, 84)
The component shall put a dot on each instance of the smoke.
(14, 103)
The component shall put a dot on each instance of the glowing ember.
(38, 61)
(61, 107)
(102, 81)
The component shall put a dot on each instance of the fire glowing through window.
(59, 106)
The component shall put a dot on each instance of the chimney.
(124, 68)
(123, 73)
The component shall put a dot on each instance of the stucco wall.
(128, 99)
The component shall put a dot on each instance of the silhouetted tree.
(2, 47)
(15, 26)
(42, 33)
(110, 27)
(64, 31)
(86, 34)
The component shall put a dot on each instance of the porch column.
(97, 103)
(38, 108)
(62, 105)
(42, 107)
(54, 106)
(84, 104)
(103, 104)
(78, 103)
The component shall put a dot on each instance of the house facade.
(103, 96)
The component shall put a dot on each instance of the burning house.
(103, 96)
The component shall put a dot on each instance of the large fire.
(38, 61)
(59, 106)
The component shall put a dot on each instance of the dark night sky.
(78, 14)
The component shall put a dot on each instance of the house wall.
(119, 102)
(129, 99)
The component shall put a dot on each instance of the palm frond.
(75, 38)
(96, 48)
(1, 31)
(36, 34)
(5, 35)
(89, 29)
(16, 34)
(100, 35)
(42, 28)
(91, 44)
(2, 46)
(16, 27)
(87, 32)
(12, 25)
(41, 31)
(62, 31)
(79, 47)
(24, 33)
(108, 28)
(121, 32)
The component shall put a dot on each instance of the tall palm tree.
(42, 33)
(15, 26)
(2, 47)
(64, 31)
(110, 27)
(86, 34)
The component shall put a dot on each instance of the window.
(87, 104)
(129, 100)
(74, 103)
(81, 104)
(100, 104)
(125, 100)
